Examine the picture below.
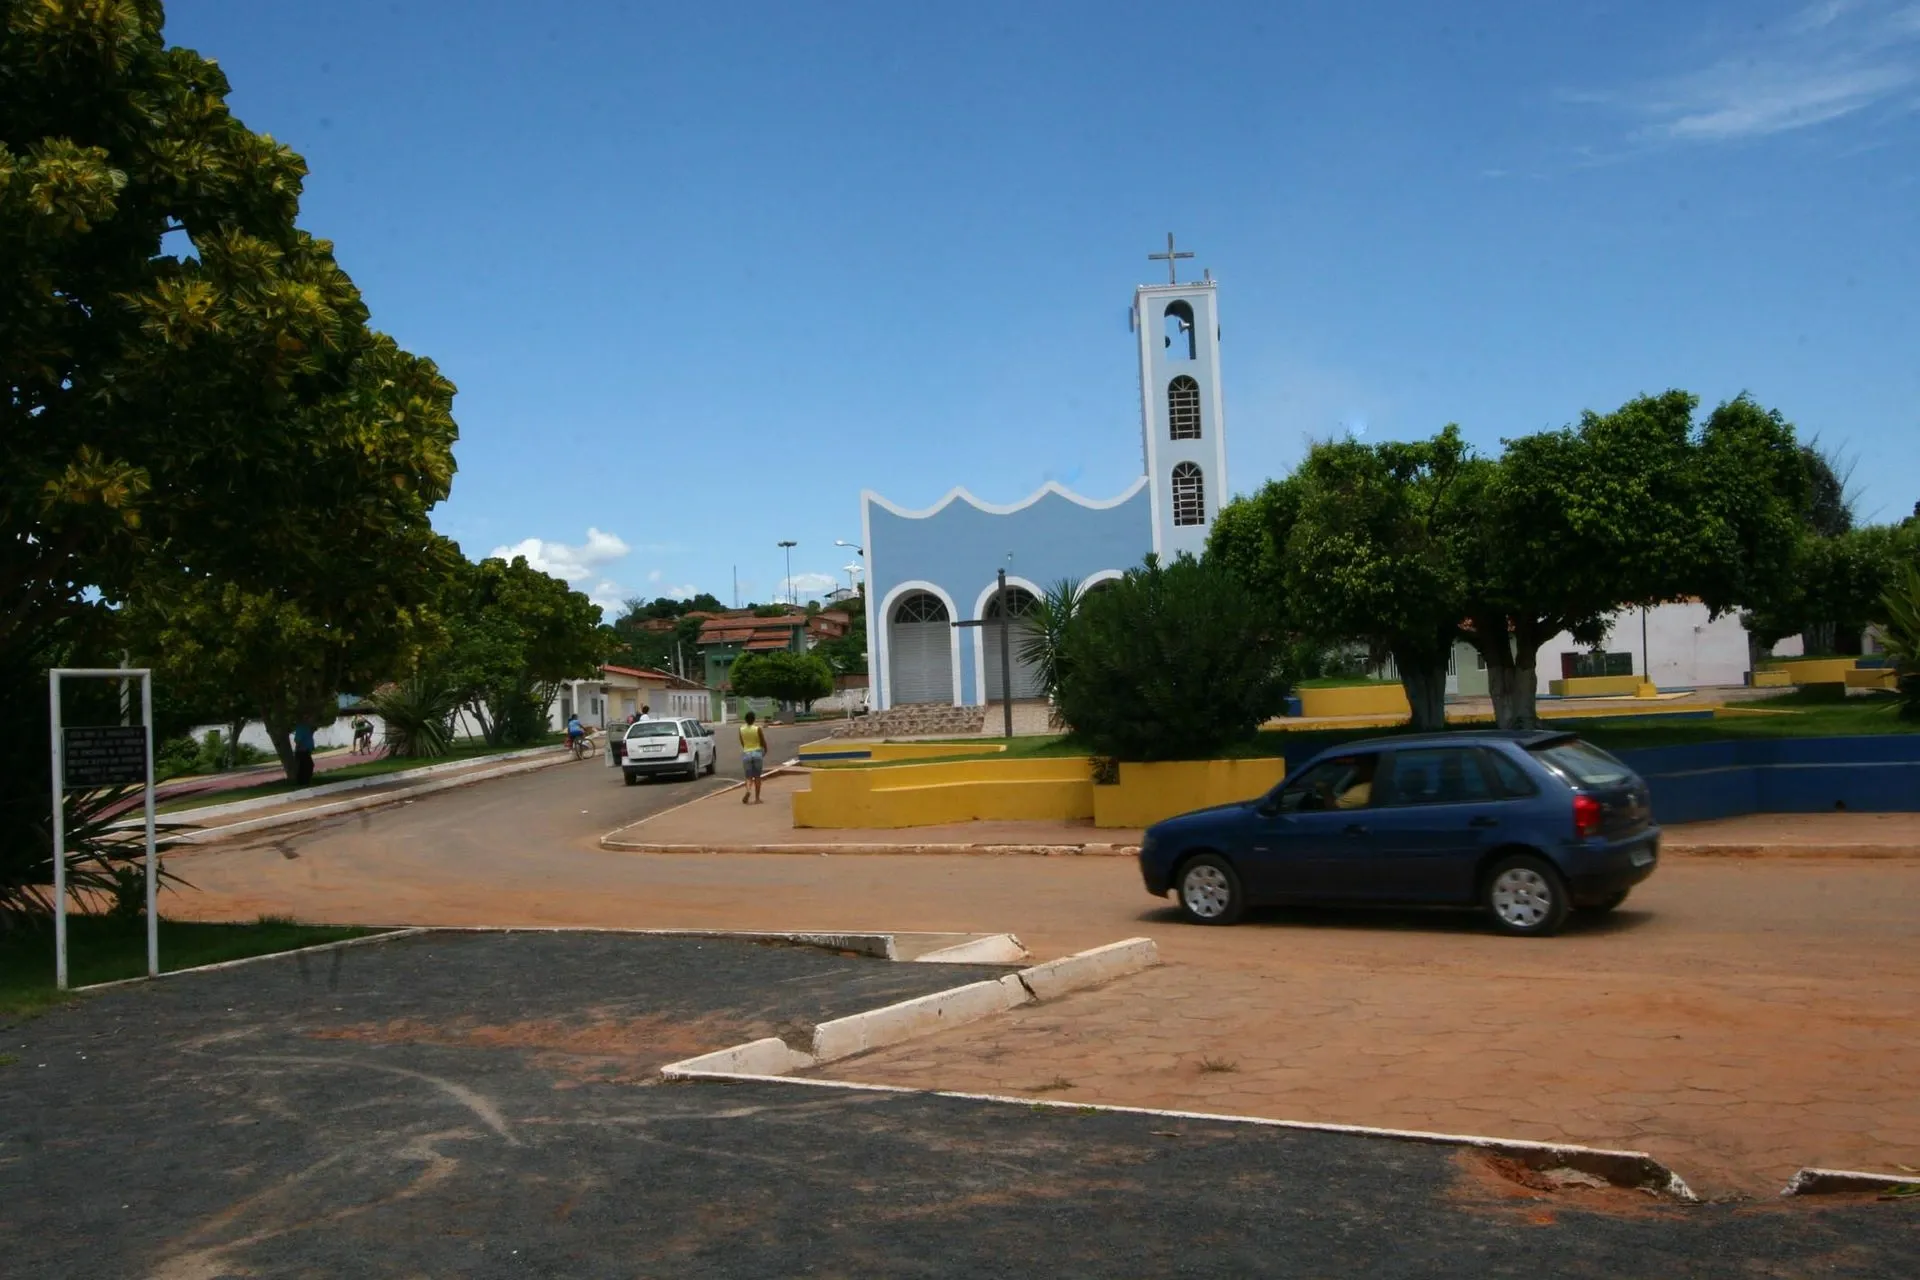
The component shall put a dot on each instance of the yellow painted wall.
(1772, 679)
(1814, 670)
(1355, 700)
(919, 795)
(1873, 678)
(1595, 686)
(889, 751)
(1146, 793)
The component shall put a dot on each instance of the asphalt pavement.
(488, 1105)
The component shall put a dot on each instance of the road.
(1740, 1017)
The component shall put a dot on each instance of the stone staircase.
(929, 721)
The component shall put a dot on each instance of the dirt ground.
(488, 1106)
(1738, 1018)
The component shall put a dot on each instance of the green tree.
(795, 678)
(514, 635)
(1371, 554)
(1171, 661)
(195, 402)
(1043, 637)
(847, 654)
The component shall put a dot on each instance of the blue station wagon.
(1529, 826)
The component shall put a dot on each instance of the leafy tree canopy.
(1171, 661)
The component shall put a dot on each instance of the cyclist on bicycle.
(575, 732)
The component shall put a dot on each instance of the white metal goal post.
(86, 757)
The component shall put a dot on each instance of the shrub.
(1172, 661)
(419, 716)
(1900, 635)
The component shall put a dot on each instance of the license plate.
(1642, 855)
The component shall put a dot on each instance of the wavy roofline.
(959, 494)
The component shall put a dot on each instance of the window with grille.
(1183, 408)
(1019, 603)
(1189, 495)
(921, 606)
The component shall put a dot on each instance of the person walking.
(753, 754)
(302, 754)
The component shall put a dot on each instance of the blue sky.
(703, 272)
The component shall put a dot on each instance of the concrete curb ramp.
(1826, 1182)
(924, 1015)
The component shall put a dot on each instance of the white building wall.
(1685, 647)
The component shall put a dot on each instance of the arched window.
(1179, 321)
(921, 606)
(1189, 495)
(1183, 408)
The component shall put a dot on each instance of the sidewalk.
(721, 824)
(288, 808)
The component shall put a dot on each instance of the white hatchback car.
(684, 747)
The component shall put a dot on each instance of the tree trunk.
(1511, 652)
(282, 737)
(234, 730)
(1513, 685)
(1424, 677)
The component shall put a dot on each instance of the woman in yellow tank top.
(753, 751)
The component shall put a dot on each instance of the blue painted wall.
(960, 547)
(1877, 774)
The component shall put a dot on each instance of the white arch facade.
(881, 644)
(980, 633)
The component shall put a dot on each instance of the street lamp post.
(788, 545)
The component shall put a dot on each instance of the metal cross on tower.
(1170, 258)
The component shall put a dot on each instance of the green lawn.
(100, 949)
(370, 769)
(1800, 713)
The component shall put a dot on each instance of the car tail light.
(1586, 816)
(683, 747)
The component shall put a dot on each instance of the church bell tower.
(1180, 410)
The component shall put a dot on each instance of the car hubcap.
(1522, 896)
(1206, 892)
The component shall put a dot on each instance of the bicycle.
(582, 746)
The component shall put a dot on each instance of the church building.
(930, 569)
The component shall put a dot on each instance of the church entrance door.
(920, 650)
(1026, 675)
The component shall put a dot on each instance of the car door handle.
(1356, 829)
(1483, 820)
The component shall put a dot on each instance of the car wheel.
(1210, 891)
(1526, 897)
(1605, 904)
(632, 778)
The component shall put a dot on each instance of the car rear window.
(1582, 762)
(654, 729)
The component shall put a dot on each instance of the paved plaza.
(489, 1105)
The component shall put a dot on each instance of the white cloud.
(655, 576)
(1829, 60)
(686, 592)
(567, 562)
(807, 586)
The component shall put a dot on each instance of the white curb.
(1822, 1182)
(877, 1028)
(386, 936)
(1056, 978)
(995, 948)
(1632, 1169)
(340, 788)
(955, 1007)
(757, 1057)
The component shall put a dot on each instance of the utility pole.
(788, 545)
